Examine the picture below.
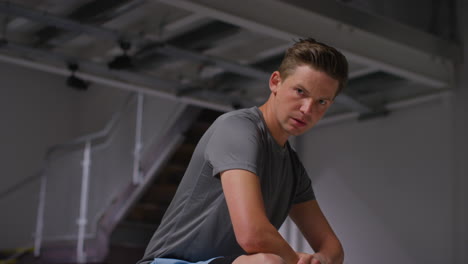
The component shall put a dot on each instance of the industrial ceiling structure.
(219, 54)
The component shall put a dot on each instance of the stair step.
(208, 115)
(173, 169)
(183, 155)
(62, 252)
(143, 219)
(196, 131)
(172, 173)
(132, 234)
(159, 193)
(147, 213)
(125, 254)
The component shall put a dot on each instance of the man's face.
(301, 99)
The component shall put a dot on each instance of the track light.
(76, 82)
(122, 61)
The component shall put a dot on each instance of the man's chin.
(299, 131)
(296, 132)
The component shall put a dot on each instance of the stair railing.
(100, 135)
(137, 175)
(59, 171)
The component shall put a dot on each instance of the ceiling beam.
(100, 32)
(100, 16)
(383, 27)
(362, 72)
(50, 62)
(46, 18)
(364, 38)
(244, 70)
(115, 35)
(354, 104)
(437, 95)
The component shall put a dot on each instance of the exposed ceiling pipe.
(328, 120)
(117, 36)
(43, 17)
(92, 67)
(362, 72)
(244, 70)
(116, 84)
(112, 12)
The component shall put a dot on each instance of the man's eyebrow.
(307, 93)
(326, 98)
(303, 88)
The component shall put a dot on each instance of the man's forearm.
(269, 240)
(332, 250)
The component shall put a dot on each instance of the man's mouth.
(300, 122)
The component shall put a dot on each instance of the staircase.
(133, 233)
(129, 238)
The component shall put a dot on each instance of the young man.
(244, 179)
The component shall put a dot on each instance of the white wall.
(95, 107)
(461, 142)
(386, 184)
(38, 110)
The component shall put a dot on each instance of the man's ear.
(275, 81)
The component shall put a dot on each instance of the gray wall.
(38, 111)
(461, 143)
(386, 185)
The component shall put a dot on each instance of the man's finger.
(315, 261)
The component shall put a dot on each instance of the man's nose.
(306, 106)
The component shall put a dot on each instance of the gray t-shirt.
(197, 226)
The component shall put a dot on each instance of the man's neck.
(273, 125)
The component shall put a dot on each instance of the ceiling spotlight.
(122, 61)
(76, 82)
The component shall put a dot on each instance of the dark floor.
(118, 254)
(124, 254)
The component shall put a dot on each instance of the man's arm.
(253, 230)
(314, 226)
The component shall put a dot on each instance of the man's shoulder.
(244, 116)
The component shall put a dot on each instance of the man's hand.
(316, 258)
(319, 258)
(304, 258)
(314, 226)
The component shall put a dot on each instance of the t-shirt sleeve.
(233, 145)
(304, 191)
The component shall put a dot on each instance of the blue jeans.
(178, 261)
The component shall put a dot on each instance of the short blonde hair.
(318, 56)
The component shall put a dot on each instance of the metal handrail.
(100, 136)
(98, 139)
(79, 141)
(21, 183)
(94, 136)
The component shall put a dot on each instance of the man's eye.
(323, 102)
(299, 91)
